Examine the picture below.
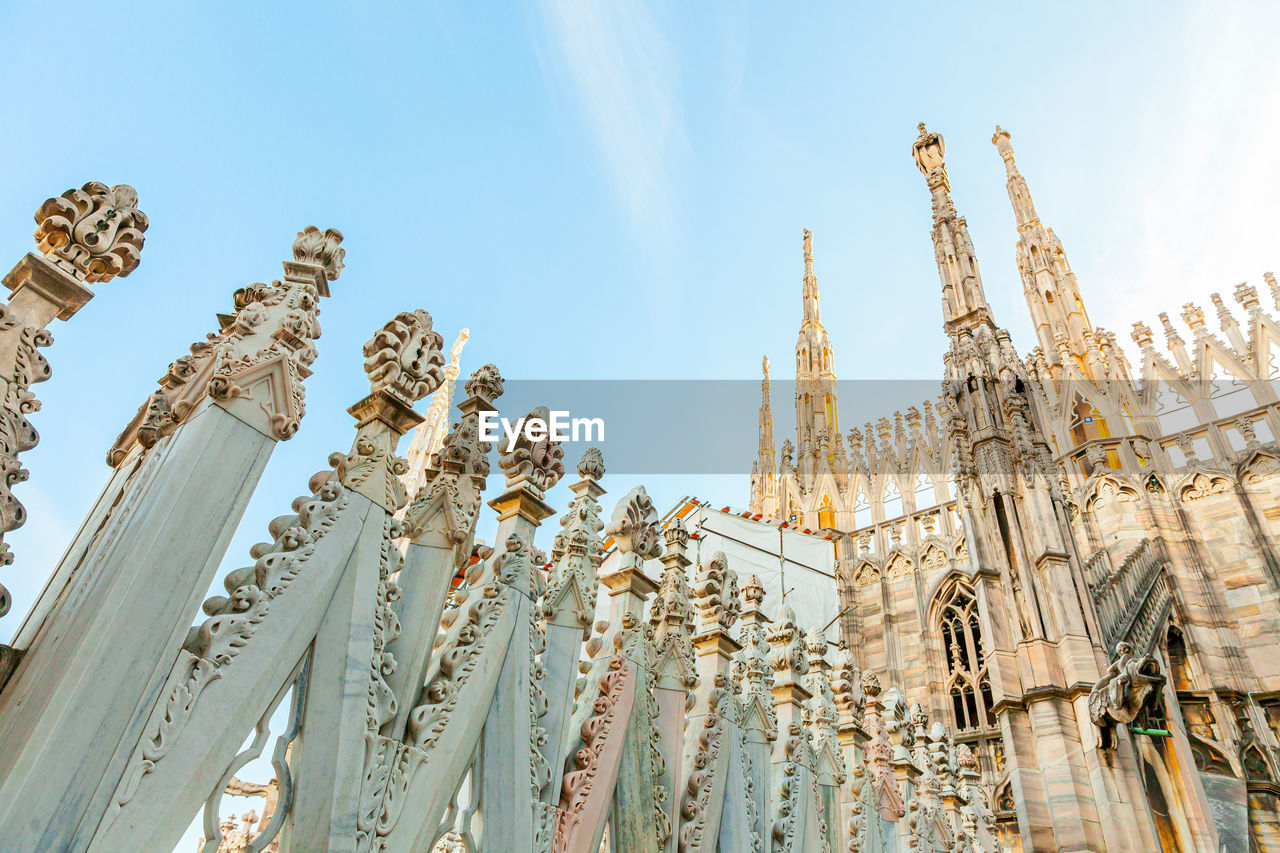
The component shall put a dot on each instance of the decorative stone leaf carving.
(1203, 485)
(634, 527)
(322, 249)
(788, 655)
(716, 595)
(537, 463)
(405, 359)
(94, 233)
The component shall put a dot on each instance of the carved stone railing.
(1133, 599)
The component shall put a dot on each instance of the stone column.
(85, 236)
(104, 636)
(441, 524)
(568, 609)
(513, 814)
(712, 736)
(753, 678)
(671, 616)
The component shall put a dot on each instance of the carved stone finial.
(322, 248)
(1193, 316)
(716, 594)
(677, 536)
(870, 684)
(1247, 295)
(404, 358)
(591, 465)
(634, 526)
(753, 593)
(532, 459)
(788, 657)
(485, 383)
(1141, 335)
(94, 233)
(815, 643)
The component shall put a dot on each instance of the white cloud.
(1206, 182)
(625, 73)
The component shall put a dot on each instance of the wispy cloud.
(625, 73)
(1207, 182)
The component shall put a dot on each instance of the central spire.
(964, 304)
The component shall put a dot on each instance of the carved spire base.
(44, 290)
(386, 409)
(522, 503)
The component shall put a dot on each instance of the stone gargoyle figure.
(1123, 690)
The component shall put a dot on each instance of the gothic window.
(861, 510)
(1005, 803)
(1230, 395)
(1172, 410)
(967, 680)
(1255, 765)
(892, 500)
(924, 492)
(1208, 759)
(1199, 719)
(1178, 668)
(1088, 424)
(826, 514)
(1272, 710)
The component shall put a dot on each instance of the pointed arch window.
(861, 510)
(892, 502)
(826, 514)
(968, 682)
(1179, 670)
(1088, 424)
(924, 492)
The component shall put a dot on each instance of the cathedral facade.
(1074, 560)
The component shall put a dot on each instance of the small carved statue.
(1122, 692)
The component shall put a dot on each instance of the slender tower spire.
(1047, 280)
(816, 421)
(812, 310)
(964, 305)
(764, 473)
(428, 436)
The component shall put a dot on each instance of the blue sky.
(612, 190)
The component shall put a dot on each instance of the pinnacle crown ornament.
(94, 233)
(404, 358)
(321, 248)
(591, 465)
(485, 383)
